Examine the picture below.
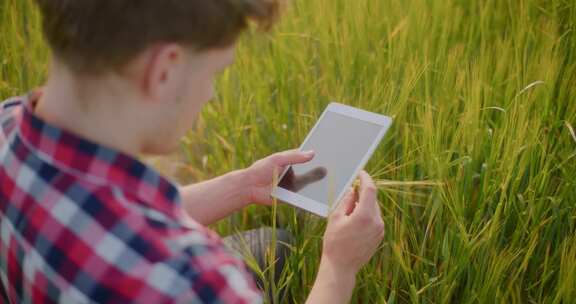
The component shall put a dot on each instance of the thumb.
(346, 204)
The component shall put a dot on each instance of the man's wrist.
(340, 276)
(333, 284)
(214, 199)
(242, 179)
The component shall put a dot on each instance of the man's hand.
(262, 174)
(355, 229)
(354, 232)
(214, 199)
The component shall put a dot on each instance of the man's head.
(163, 54)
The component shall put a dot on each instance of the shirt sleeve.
(194, 266)
(136, 262)
(205, 274)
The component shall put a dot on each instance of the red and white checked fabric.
(83, 223)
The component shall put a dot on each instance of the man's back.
(80, 222)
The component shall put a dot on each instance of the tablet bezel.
(316, 207)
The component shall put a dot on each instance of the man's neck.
(94, 113)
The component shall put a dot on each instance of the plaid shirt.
(82, 223)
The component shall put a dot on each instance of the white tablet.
(344, 139)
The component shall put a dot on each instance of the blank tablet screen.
(340, 143)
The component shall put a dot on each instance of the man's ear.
(162, 71)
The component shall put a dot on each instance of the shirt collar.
(97, 163)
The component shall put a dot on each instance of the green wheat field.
(477, 174)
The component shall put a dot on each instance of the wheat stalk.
(384, 184)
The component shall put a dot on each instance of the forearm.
(215, 199)
(332, 285)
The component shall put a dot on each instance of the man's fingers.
(367, 202)
(346, 204)
(290, 157)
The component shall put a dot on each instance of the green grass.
(484, 99)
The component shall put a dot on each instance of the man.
(83, 220)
